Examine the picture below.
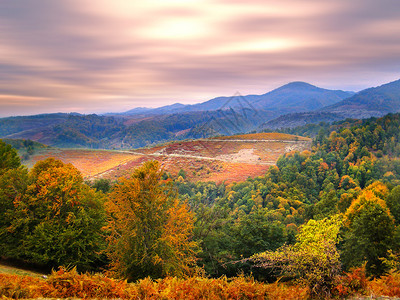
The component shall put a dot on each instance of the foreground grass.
(10, 270)
(70, 284)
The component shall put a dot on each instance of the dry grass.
(89, 162)
(203, 160)
(69, 284)
(6, 269)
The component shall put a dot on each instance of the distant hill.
(292, 97)
(300, 119)
(142, 126)
(13, 125)
(291, 105)
(155, 111)
(372, 102)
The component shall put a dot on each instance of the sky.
(101, 56)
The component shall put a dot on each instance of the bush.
(313, 261)
(388, 285)
(351, 283)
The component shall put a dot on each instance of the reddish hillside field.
(222, 159)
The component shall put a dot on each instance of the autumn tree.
(58, 218)
(149, 228)
(369, 230)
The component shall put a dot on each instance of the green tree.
(13, 184)
(182, 173)
(9, 158)
(327, 206)
(149, 228)
(253, 233)
(102, 184)
(58, 218)
(393, 202)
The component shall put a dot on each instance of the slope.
(372, 102)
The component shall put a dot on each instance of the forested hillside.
(265, 212)
(333, 208)
(115, 132)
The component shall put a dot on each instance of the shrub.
(313, 261)
(351, 283)
(387, 285)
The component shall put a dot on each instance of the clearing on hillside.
(219, 159)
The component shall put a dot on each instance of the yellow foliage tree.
(149, 228)
(313, 260)
(369, 230)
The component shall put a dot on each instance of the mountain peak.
(299, 85)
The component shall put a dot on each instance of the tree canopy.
(56, 219)
(149, 228)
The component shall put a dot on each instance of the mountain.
(224, 103)
(372, 102)
(136, 111)
(155, 111)
(299, 97)
(292, 97)
(145, 126)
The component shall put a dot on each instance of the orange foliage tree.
(149, 229)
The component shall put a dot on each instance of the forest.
(324, 223)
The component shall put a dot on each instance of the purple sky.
(113, 55)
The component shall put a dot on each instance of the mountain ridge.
(291, 105)
(298, 91)
(372, 102)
